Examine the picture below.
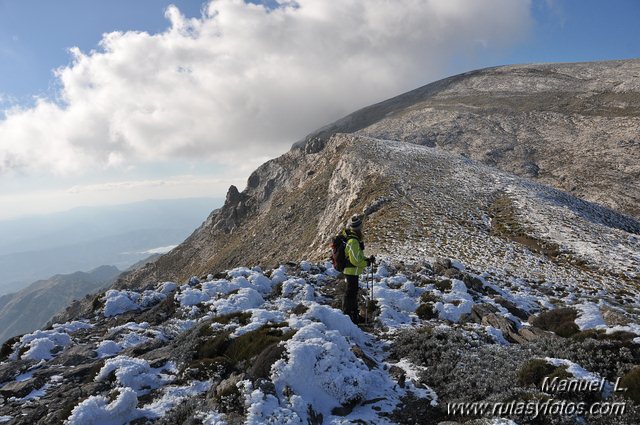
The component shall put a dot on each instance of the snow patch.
(589, 316)
(134, 373)
(244, 299)
(96, 410)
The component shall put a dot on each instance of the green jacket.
(354, 254)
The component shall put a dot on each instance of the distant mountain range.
(38, 247)
(33, 306)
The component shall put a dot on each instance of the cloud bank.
(244, 81)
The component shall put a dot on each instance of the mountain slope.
(421, 203)
(33, 306)
(294, 203)
(572, 126)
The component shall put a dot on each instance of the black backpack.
(338, 256)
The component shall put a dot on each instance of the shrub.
(561, 321)
(426, 311)
(631, 381)
(210, 368)
(7, 347)
(253, 343)
(97, 302)
(534, 371)
(213, 347)
(240, 317)
(428, 297)
(443, 285)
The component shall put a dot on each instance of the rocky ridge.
(572, 126)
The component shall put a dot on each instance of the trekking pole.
(370, 293)
(366, 305)
(372, 264)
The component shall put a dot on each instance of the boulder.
(614, 318)
(441, 265)
(512, 308)
(22, 389)
(478, 311)
(506, 326)
(473, 282)
(531, 333)
(228, 386)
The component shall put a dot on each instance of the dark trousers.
(350, 300)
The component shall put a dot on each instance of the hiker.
(355, 264)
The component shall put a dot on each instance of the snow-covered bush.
(119, 302)
(96, 410)
(134, 373)
(321, 370)
(244, 299)
(39, 345)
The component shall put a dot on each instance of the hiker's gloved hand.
(371, 260)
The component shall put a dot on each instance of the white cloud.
(242, 81)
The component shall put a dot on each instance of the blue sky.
(35, 36)
(191, 99)
(581, 30)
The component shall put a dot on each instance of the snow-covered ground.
(329, 367)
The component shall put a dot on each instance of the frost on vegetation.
(172, 396)
(118, 302)
(139, 333)
(40, 345)
(298, 289)
(108, 348)
(135, 374)
(167, 288)
(457, 302)
(576, 370)
(334, 320)
(279, 275)
(265, 408)
(190, 296)
(175, 327)
(321, 370)
(259, 318)
(496, 335)
(210, 292)
(396, 308)
(96, 410)
(212, 418)
(72, 327)
(244, 299)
